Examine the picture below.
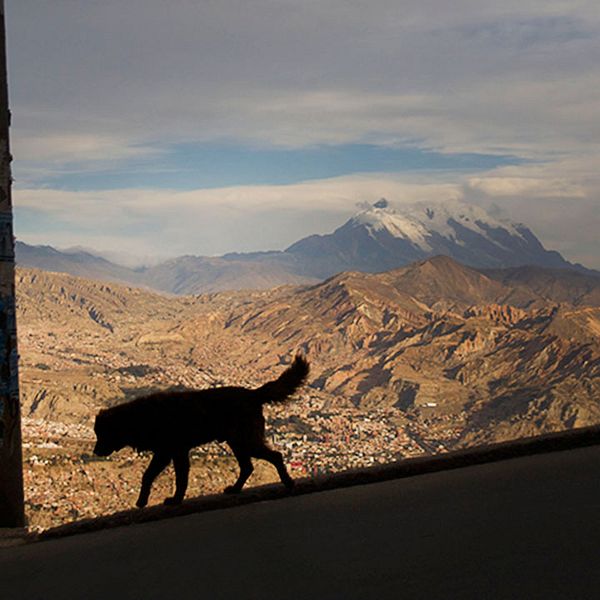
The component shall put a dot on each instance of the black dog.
(172, 423)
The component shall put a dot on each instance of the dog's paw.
(172, 501)
(141, 502)
(231, 489)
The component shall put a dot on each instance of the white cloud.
(211, 221)
(79, 148)
(526, 187)
(252, 218)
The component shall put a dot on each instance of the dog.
(170, 424)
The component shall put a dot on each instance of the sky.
(146, 128)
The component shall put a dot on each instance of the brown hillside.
(433, 339)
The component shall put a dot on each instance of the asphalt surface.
(522, 528)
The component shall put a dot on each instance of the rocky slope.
(481, 357)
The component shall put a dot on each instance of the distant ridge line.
(378, 238)
(411, 467)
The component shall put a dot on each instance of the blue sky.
(191, 166)
(150, 128)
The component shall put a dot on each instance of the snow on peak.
(401, 226)
(417, 222)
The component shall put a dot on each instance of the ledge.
(13, 536)
(555, 442)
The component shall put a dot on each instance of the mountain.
(554, 285)
(376, 239)
(448, 350)
(80, 263)
(180, 275)
(200, 274)
(381, 238)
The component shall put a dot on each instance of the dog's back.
(175, 419)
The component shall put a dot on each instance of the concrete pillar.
(11, 464)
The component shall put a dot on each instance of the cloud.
(77, 148)
(211, 221)
(251, 218)
(114, 82)
(462, 77)
(526, 186)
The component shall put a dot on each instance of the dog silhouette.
(171, 423)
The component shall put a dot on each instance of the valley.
(426, 358)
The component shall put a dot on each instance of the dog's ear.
(300, 355)
(100, 418)
(300, 359)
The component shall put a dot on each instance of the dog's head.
(109, 436)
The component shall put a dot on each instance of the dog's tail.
(286, 384)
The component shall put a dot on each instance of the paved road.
(525, 528)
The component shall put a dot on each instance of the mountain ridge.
(386, 340)
(377, 239)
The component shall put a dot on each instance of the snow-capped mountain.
(376, 239)
(420, 223)
(383, 237)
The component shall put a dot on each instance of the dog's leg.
(157, 465)
(181, 462)
(276, 459)
(246, 469)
